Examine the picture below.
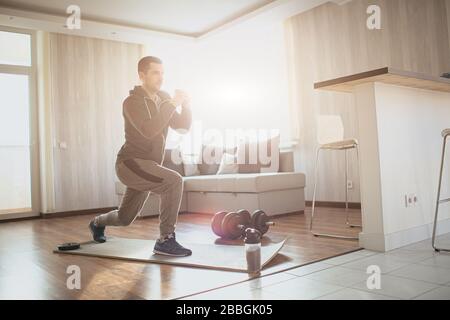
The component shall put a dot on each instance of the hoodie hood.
(138, 91)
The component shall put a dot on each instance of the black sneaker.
(170, 247)
(98, 233)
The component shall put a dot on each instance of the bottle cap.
(252, 236)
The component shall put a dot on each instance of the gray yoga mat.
(210, 256)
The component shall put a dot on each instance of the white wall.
(240, 79)
(237, 79)
(176, 55)
(237, 76)
(410, 123)
(400, 134)
(447, 6)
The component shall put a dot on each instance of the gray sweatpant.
(141, 177)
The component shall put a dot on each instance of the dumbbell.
(260, 221)
(216, 223)
(231, 225)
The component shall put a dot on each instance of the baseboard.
(64, 214)
(61, 214)
(287, 214)
(372, 241)
(332, 204)
(386, 242)
(150, 216)
(19, 219)
(271, 217)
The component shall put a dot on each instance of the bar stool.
(330, 128)
(439, 201)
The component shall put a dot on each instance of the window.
(15, 184)
(15, 49)
(17, 153)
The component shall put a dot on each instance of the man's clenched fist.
(180, 98)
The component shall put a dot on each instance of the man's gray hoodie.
(146, 128)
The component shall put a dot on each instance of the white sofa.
(276, 193)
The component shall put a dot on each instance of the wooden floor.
(29, 269)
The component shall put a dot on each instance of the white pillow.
(256, 157)
(228, 164)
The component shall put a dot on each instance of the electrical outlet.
(408, 201)
(349, 184)
(415, 199)
(411, 200)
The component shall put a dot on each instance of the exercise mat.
(210, 256)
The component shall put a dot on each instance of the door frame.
(34, 121)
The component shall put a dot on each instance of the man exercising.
(148, 112)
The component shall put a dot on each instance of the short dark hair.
(144, 63)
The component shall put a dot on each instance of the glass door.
(19, 185)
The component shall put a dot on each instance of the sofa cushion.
(228, 165)
(211, 157)
(259, 156)
(250, 182)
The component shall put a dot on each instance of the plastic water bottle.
(252, 242)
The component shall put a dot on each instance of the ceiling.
(187, 17)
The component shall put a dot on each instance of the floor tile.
(410, 256)
(247, 288)
(301, 289)
(344, 277)
(425, 245)
(232, 293)
(268, 280)
(442, 244)
(367, 253)
(354, 294)
(401, 288)
(384, 262)
(439, 260)
(310, 268)
(345, 258)
(424, 273)
(440, 293)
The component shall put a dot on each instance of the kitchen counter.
(400, 115)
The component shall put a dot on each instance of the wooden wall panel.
(332, 41)
(90, 79)
(447, 4)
